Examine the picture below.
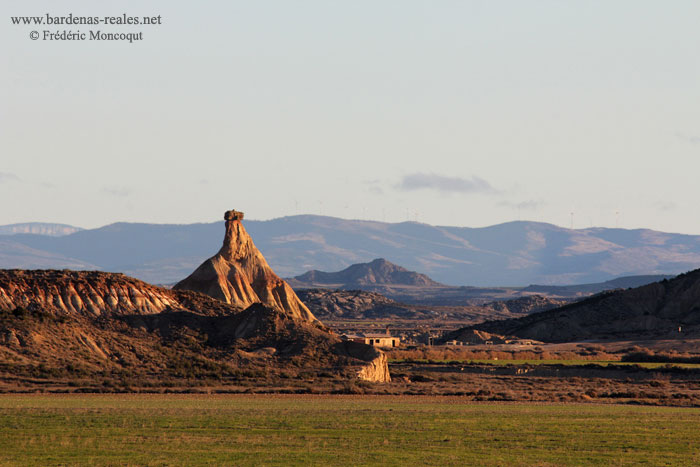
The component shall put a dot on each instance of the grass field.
(336, 430)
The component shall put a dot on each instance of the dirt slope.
(81, 328)
(657, 310)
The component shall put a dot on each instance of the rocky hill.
(84, 293)
(238, 274)
(514, 253)
(329, 305)
(355, 304)
(79, 328)
(379, 272)
(669, 309)
(583, 290)
(526, 305)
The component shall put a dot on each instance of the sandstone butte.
(239, 275)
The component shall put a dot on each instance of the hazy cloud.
(6, 177)
(665, 206)
(428, 181)
(120, 192)
(374, 187)
(689, 138)
(530, 205)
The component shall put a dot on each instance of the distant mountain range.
(514, 253)
(40, 228)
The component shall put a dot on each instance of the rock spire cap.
(233, 215)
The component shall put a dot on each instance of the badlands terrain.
(231, 324)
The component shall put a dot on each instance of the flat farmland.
(169, 429)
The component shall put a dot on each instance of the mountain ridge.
(39, 228)
(514, 253)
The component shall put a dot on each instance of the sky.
(467, 113)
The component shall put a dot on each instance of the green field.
(336, 430)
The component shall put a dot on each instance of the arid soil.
(554, 383)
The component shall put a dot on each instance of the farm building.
(376, 340)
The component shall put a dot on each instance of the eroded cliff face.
(239, 274)
(669, 309)
(89, 293)
(377, 370)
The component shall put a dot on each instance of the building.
(374, 339)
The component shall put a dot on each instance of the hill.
(82, 328)
(377, 272)
(333, 305)
(356, 304)
(514, 253)
(581, 290)
(669, 309)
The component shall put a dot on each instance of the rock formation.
(232, 316)
(79, 327)
(669, 309)
(239, 274)
(88, 293)
(355, 304)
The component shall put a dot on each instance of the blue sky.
(464, 113)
